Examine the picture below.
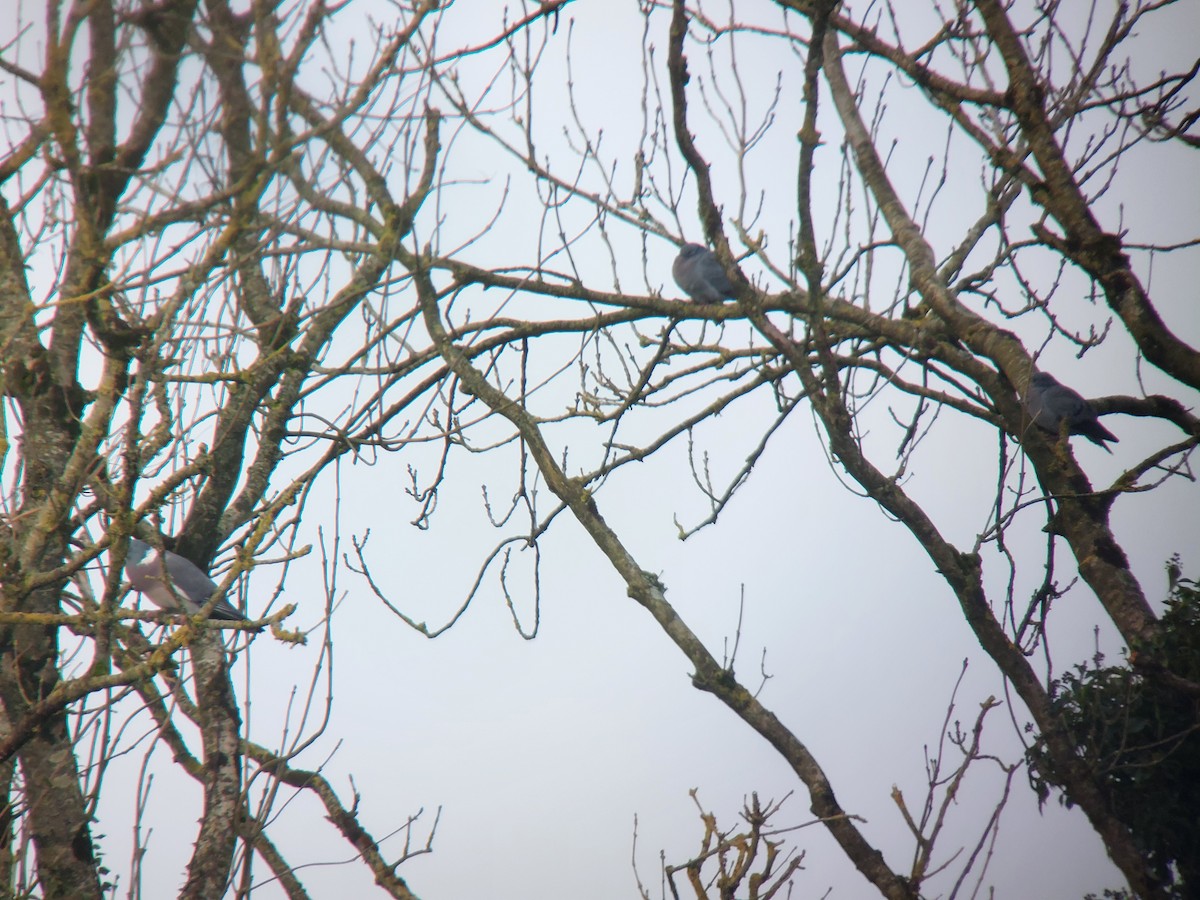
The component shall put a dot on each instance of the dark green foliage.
(1139, 727)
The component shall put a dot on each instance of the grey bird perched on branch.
(700, 275)
(173, 583)
(1051, 404)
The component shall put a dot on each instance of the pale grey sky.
(541, 753)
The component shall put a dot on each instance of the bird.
(1050, 404)
(700, 275)
(173, 583)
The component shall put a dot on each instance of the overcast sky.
(541, 753)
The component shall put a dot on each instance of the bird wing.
(1068, 404)
(197, 588)
(713, 274)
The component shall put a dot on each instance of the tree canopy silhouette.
(247, 248)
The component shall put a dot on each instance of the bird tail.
(1098, 434)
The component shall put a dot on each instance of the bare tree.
(243, 247)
